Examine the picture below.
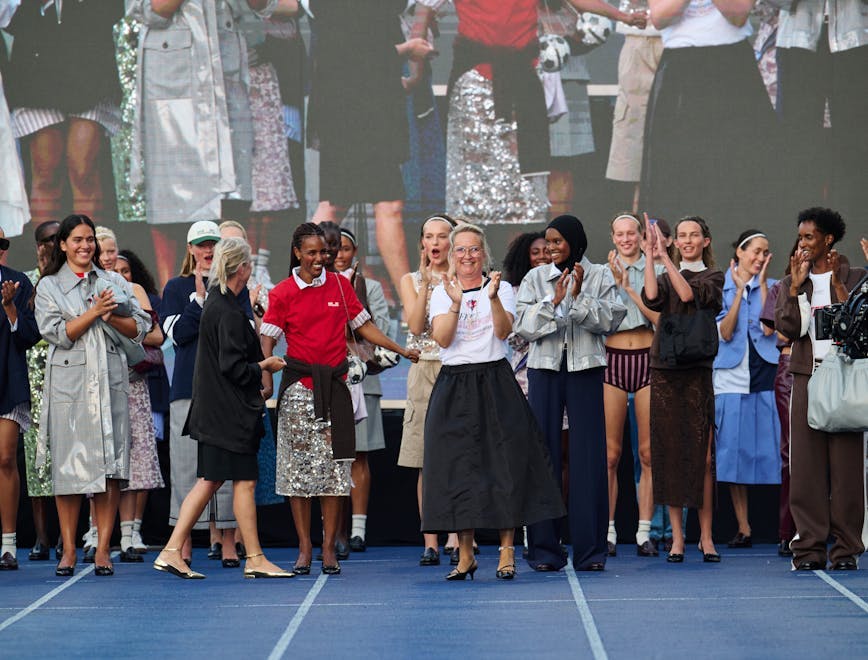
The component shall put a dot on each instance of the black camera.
(825, 319)
(846, 323)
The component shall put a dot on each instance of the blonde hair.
(467, 228)
(104, 233)
(232, 224)
(229, 255)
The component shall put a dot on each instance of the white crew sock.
(137, 525)
(612, 535)
(10, 544)
(360, 521)
(643, 532)
(126, 534)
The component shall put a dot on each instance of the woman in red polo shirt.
(315, 429)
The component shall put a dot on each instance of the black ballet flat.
(456, 574)
(430, 557)
(710, 557)
(454, 557)
(231, 563)
(130, 556)
(215, 551)
(39, 552)
(675, 557)
(103, 571)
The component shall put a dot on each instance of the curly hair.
(829, 222)
(516, 263)
(139, 272)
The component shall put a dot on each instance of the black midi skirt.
(710, 138)
(486, 464)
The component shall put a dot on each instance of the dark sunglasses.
(4, 243)
(48, 240)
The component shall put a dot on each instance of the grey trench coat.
(193, 131)
(85, 416)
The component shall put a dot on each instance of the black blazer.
(227, 404)
(14, 386)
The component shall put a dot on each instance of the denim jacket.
(580, 330)
(801, 26)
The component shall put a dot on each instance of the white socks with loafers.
(360, 522)
(643, 532)
(10, 544)
(126, 535)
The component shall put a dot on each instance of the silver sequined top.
(424, 343)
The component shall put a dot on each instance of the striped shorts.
(26, 121)
(627, 368)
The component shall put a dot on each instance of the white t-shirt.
(821, 297)
(474, 340)
(702, 24)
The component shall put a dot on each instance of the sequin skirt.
(484, 184)
(39, 482)
(305, 467)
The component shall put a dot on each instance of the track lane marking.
(591, 631)
(39, 602)
(295, 623)
(841, 589)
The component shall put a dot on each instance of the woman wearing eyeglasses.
(485, 462)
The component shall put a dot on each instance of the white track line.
(844, 591)
(36, 604)
(295, 623)
(593, 635)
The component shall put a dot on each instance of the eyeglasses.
(4, 243)
(472, 251)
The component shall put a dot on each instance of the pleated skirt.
(747, 446)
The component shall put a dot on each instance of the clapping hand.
(799, 267)
(453, 289)
(9, 289)
(618, 270)
(578, 278)
(494, 284)
(737, 279)
(561, 287)
(763, 274)
(104, 304)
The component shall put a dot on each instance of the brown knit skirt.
(682, 424)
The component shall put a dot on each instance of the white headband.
(628, 217)
(750, 238)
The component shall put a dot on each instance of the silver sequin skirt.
(484, 184)
(305, 467)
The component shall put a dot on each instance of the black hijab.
(570, 227)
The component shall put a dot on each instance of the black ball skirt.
(486, 464)
(216, 464)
